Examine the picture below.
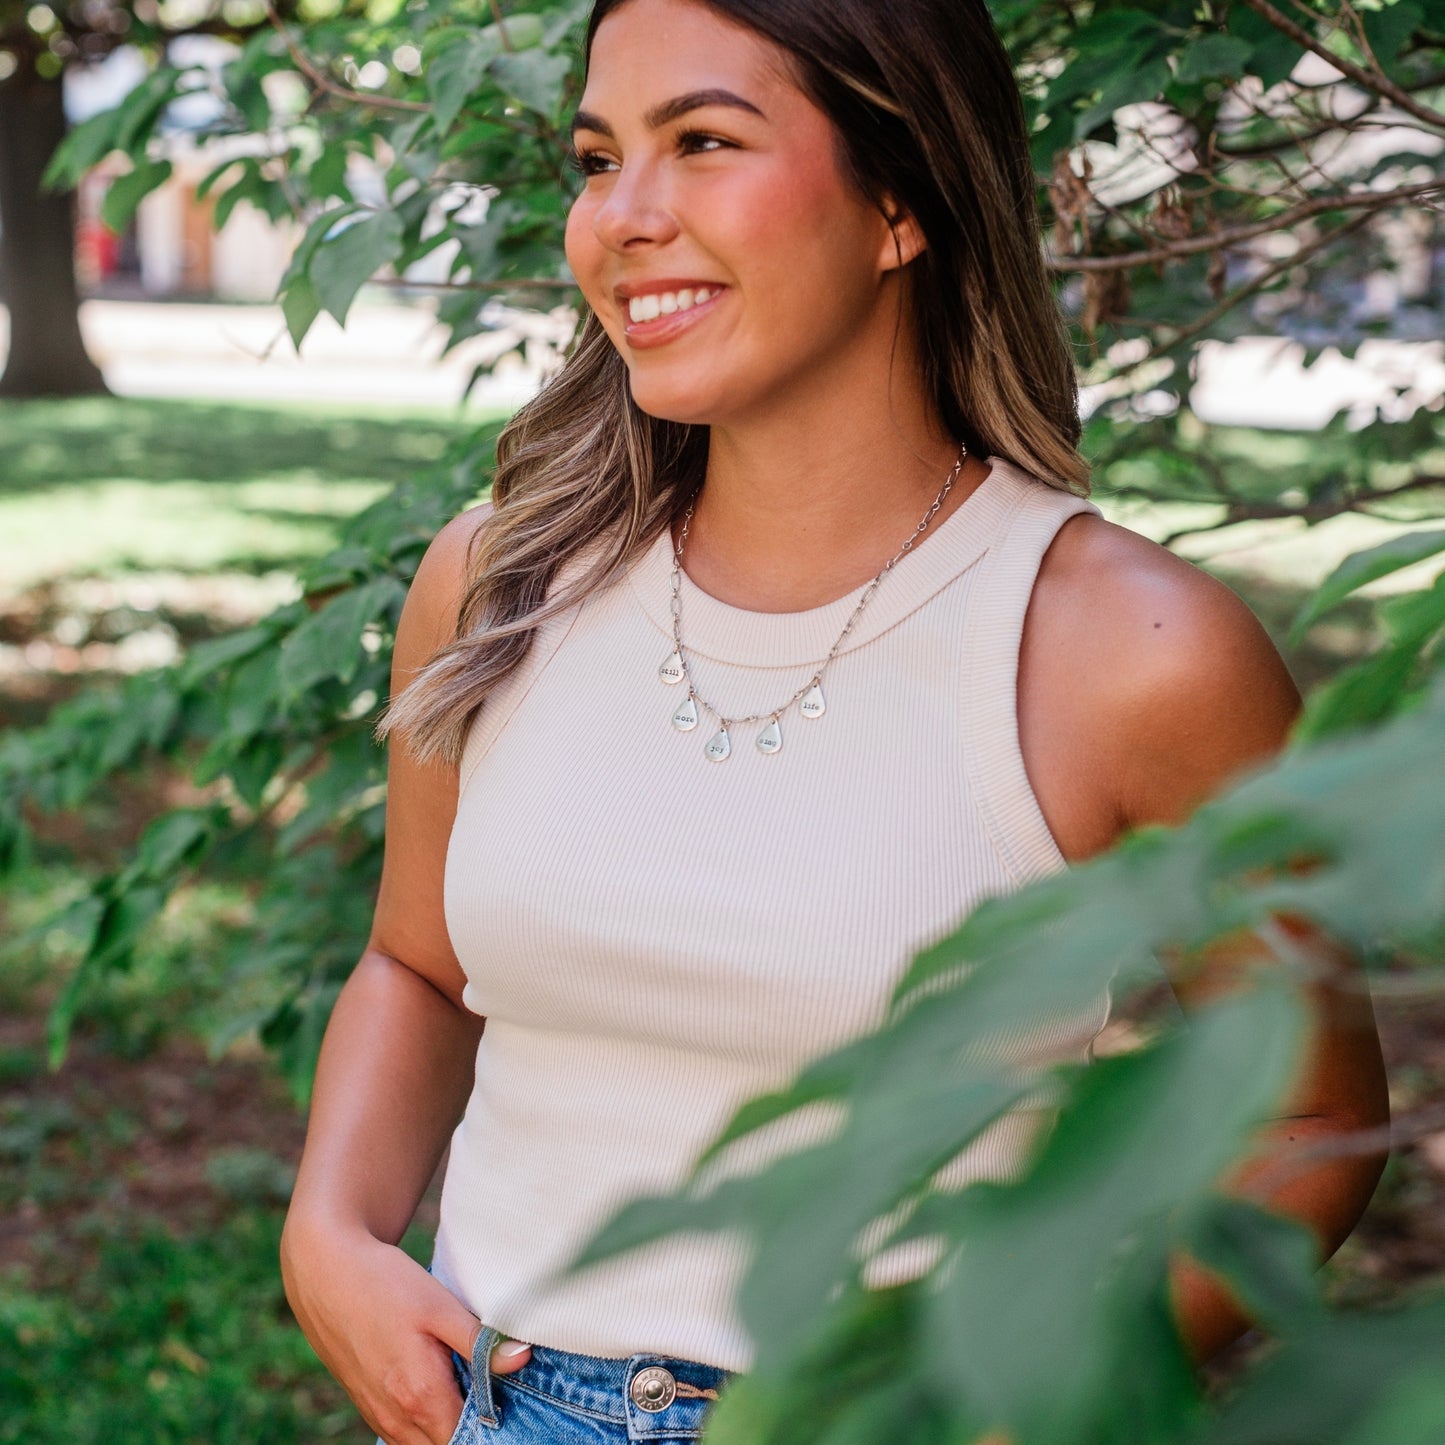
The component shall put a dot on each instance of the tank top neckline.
(715, 629)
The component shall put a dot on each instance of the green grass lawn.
(142, 1188)
(102, 484)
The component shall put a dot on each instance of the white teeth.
(667, 303)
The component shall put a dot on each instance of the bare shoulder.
(1155, 671)
(428, 620)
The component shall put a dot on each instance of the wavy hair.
(925, 110)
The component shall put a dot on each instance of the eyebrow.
(669, 110)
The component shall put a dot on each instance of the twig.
(322, 81)
(1235, 235)
(525, 283)
(1294, 1156)
(1243, 293)
(1311, 512)
(1371, 79)
(502, 26)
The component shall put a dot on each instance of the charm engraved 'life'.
(813, 705)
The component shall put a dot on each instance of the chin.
(685, 405)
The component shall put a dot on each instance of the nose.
(635, 212)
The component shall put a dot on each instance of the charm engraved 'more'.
(685, 718)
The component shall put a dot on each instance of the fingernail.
(512, 1348)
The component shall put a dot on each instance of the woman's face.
(715, 238)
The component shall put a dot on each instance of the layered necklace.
(675, 670)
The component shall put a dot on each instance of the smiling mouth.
(641, 309)
(659, 316)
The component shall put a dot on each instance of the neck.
(796, 511)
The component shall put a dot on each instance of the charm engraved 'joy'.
(719, 746)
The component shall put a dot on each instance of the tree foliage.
(1207, 169)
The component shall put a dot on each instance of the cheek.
(580, 244)
(796, 231)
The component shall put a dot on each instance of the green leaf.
(1214, 54)
(456, 70)
(138, 112)
(1365, 567)
(533, 77)
(1025, 1322)
(1411, 1413)
(1331, 1381)
(1269, 1258)
(250, 185)
(1390, 28)
(128, 191)
(343, 263)
(82, 147)
(208, 181)
(300, 308)
(328, 644)
(206, 658)
(172, 841)
(1273, 55)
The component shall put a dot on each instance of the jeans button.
(653, 1389)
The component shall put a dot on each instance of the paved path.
(392, 353)
(387, 353)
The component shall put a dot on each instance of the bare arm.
(395, 1070)
(1212, 699)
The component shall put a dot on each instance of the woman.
(735, 766)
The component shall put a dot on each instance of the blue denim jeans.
(562, 1398)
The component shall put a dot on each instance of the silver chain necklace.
(675, 670)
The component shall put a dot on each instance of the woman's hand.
(386, 1329)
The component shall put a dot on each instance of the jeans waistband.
(610, 1388)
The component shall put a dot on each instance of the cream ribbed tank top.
(655, 938)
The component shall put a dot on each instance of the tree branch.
(322, 81)
(502, 26)
(1243, 293)
(1236, 235)
(1371, 79)
(1311, 512)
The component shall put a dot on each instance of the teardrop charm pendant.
(771, 738)
(812, 704)
(719, 746)
(672, 670)
(685, 718)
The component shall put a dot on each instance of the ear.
(904, 240)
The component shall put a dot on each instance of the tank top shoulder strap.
(992, 636)
(497, 711)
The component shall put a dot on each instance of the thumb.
(510, 1355)
(454, 1324)
(458, 1327)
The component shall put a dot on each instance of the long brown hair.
(926, 110)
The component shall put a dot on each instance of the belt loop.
(487, 1339)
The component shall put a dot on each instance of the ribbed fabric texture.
(655, 938)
